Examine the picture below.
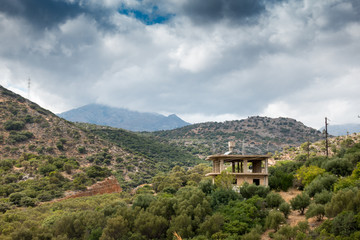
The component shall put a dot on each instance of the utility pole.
(326, 138)
(308, 148)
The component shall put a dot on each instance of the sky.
(208, 60)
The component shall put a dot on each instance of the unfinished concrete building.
(245, 168)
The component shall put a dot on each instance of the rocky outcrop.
(109, 185)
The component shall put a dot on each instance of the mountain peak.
(123, 118)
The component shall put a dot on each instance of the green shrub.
(222, 196)
(320, 183)
(16, 137)
(274, 220)
(28, 202)
(82, 149)
(345, 224)
(14, 125)
(339, 166)
(279, 180)
(249, 190)
(15, 198)
(97, 172)
(323, 197)
(285, 209)
(143, 201)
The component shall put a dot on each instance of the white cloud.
(300, 60)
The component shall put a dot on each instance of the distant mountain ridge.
(254, 135)
(123, 118)
(342, 129)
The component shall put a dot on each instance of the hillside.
(123, 118)
(28, 131)
(25, 127)
(256, 135)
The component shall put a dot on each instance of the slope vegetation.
(254, 135)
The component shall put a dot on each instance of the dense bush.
(14, 125)
(249, 190)
(339, 167)
(280, 180)
(22, 136)
(97, 172)
(320, 183)
(222, 196)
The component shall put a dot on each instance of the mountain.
(28, 132)
(342, 129)
(254, 135)
(123, 118)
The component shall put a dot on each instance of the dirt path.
(294, 216)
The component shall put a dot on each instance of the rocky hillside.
(123, 118)
(254, 135)
(336, 146)
(25, 127)
(27, 130)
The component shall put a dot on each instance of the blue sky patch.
(148, 18)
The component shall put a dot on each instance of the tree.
(274, 200)
(339, 166)
(222, 196)
(345, 224)
(116, 228)
(224, 180)
(274, 220)
(211, 225)
(300, 202)
(307, 174)
(323, 197)
(249, 190)
(151, 226)
(279, 180)
(321, 182)
(316, 210)
(285, 209)
(143, 201)
(344, 200)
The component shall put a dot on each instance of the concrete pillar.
(221, 165)
(266, 165)
(245, 166)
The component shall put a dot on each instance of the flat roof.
(230, 158)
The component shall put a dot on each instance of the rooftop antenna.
(29, 83)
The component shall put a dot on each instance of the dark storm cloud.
(46, 14)
(41, 13)
(339, 14)
(236, 11)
